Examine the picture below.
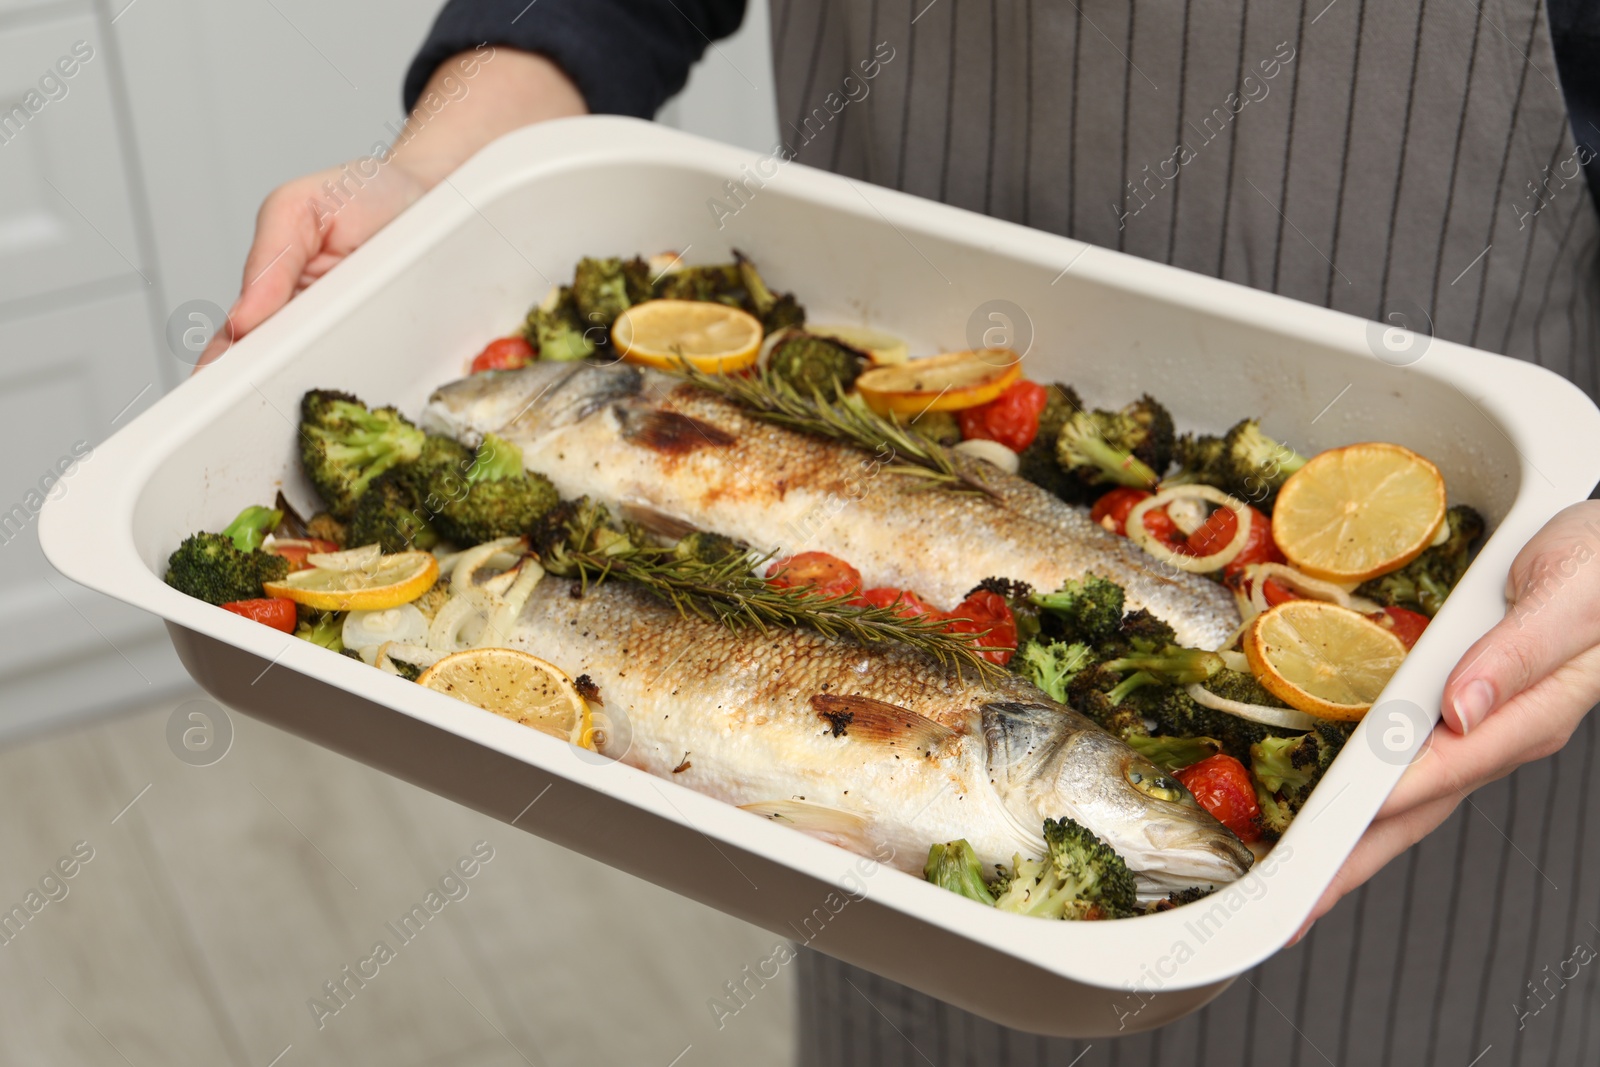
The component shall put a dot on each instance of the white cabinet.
(65, 217)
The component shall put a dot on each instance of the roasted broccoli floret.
(941, 428)
(1173, 754)
(389, 514)
(494, 497)
(1101, 695)
(1142, 632)
(1287, 769)
(1052, 665)
(1128, 447)
(580, 525)
(1037, 463)
(325, 527)
(1200, 461)
(775, 311)
(325, 628)
(1422, 584)
(210, 567)
(1181, 897)
(955, 867)
(558, 331)
(251, 526)
(1083, 878)
(1176, 714)
(602, 289)
(719, 282)
(1254, 466)
(344, 447)
(813, 364)
(1090, 610)
(708, 547)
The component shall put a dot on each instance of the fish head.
(526, 404)
(1048, 762)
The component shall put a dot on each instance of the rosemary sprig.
(768, 397)
(731, 592)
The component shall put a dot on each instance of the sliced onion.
(364, 628)
(992, 452)
(505, 614)
(457, 625)
(1146, 540)
(1188, 514)
(1314, 588)
(1286, 718)
(464, 575)
(1235, 661)
(417, 655)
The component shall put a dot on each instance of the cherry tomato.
(828, 575)
(910, 604)
(1012, 418)
(1222, 786)
(1111, 510)
(1406, 624)
(297, 551)
(1163, 529)
(277, 612)
(503, 353)
(1217, 533)
(987, 613)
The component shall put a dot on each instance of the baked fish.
(673, 456)
(866, 747)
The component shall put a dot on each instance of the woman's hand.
(306, 226)
(1515, 697)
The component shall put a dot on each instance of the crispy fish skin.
(864, 747)
(675, 456)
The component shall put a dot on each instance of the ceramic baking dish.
(405, 313)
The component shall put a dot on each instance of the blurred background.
(217, 900)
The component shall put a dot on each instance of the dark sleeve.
(626, 56)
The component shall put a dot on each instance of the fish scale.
(676, 457)
(880, 750)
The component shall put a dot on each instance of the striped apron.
(1404, 160)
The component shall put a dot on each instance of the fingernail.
(1473, 703)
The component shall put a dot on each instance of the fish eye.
(1148, 779)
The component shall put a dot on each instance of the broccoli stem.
(497, 460)
(251, 526)
(1124, 468)
(1136, 680)
(1173, 666)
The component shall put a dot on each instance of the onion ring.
(1139, 535)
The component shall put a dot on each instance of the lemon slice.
(517, 686)
(949, 382)
(1322, 659)
(880, 347)
(713, 338)
(385, 582)
(1356, 512)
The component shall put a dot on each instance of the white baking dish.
(406, 312)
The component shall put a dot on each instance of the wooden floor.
(220, 902)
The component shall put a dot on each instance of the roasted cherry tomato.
(503, 353)
(277, 612)
(1406, 624)
(1222, 786)
(910, 605)
(296, 551)
(986, 613)
(1111, 510)
(1217, 533)
(1012, 418)
(828, 575)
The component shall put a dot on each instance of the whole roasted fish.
(670, 454)
(867, 747)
